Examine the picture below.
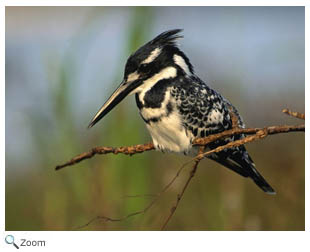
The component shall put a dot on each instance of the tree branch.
(294, 114)
(127, 150)
(252, 135)
(140, 148)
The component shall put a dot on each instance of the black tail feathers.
(241, 163)
(260, 181)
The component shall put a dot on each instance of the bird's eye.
(143, 68)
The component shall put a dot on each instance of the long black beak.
(118, 95)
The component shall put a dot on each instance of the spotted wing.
(206, 112)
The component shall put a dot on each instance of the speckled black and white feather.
(178, 107)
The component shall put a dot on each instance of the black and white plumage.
(177, 106)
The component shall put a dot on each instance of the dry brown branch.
(249, 131)
(135, 149)
(127, 150)
(253, 134)
(294, 114)
(234, 118)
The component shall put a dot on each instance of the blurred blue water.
(253, 55)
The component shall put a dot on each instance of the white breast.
(168, 134)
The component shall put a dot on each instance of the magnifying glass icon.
(9, 239)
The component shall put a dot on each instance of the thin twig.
(260, 134)
(179, 197)
(249, 131)
(294, 114)
(234, 118)
(144, 210)
(127, 150)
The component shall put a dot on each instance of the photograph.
(154, 118)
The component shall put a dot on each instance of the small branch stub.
(294, 114)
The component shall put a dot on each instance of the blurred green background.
(63, 62)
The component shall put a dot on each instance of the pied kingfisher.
(177, 106)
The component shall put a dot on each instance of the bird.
(177, 106)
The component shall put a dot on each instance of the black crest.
(166, 38)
